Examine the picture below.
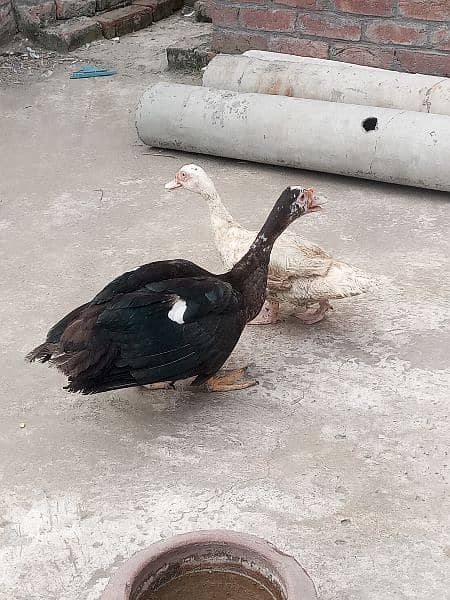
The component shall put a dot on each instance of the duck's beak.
(175, 183)
(311, 199)
(171, 185)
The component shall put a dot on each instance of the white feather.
(300, 272)
(176, 313)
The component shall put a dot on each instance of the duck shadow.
(165, 408)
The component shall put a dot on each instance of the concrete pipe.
(374, 143)
(318, 79)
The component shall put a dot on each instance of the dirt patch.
(134, 55)
(22, 62)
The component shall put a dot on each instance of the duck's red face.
(311, 200)
(306, 198)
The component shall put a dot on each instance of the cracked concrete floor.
(339, 457)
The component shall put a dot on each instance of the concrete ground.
(339, 456)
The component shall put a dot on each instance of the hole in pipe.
(370, 124)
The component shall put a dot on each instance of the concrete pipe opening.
(370, 124)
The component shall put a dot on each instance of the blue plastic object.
(90, 71)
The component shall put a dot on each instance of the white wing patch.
(176, 313)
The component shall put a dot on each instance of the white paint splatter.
(176, 313)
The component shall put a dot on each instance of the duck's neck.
(249, 275)
(221, 220)
(259, 252)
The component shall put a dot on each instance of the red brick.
(30, 18)
(299, 47)
(310, 4)
(428, 10)
(124, 20)
(268, 20)
(161, 8)
(110, 4)
(387, 32)
(441, 39)
(363, 55)
(71, 34)
(329, 27)
(225, 40)
(224, 15)
(424, 62)
(7, 21)
(188, 55)
(67, 9)
(381, 8)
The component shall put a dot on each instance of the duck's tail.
(343, 281)
(42, 353)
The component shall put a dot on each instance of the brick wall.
(404, 35)
(7, 21)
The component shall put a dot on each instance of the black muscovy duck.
(168, 320)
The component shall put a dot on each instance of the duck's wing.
(292, 258)
(125, 283)
(163, 331)
(145, 274)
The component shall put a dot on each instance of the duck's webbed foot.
(227, 380)
(309, 316)
(160, 385)
(268, 314)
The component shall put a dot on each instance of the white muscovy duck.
(301, 274)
